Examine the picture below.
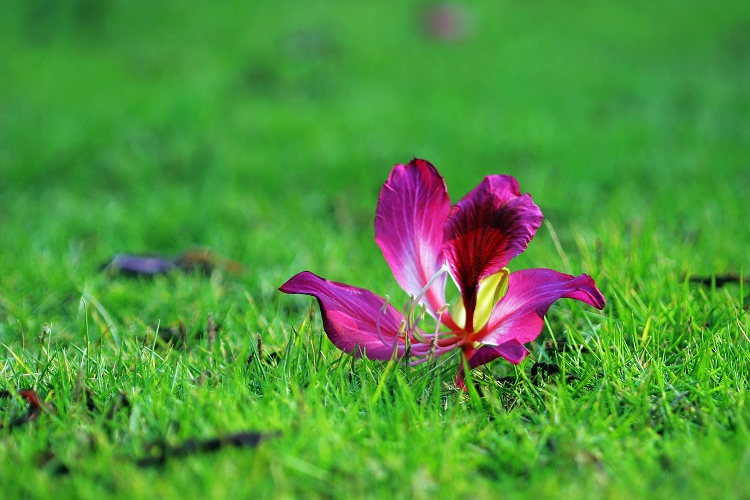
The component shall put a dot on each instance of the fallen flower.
(422, 239)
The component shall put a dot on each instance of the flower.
(423, 239)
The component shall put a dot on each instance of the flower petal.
(491, 289)
(519, 314)
(485, 230)
(412, 208)
(512, 350)
(350, 316)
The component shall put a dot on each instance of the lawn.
(264, 131)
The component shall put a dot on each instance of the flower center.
(491, 290)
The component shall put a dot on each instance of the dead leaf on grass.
(202, 260)
(159, 452)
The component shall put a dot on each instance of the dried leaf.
(160, 451)
(121, 401)
(138, 265)
(720, 279)
(36, 407)
(149, 265)
(541, 368)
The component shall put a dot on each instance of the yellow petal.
(491, 289)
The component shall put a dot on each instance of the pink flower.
(423, 238)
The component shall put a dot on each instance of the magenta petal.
(350, 316)
(519, 314)
(485, 230)
(512, 350)
(412, 208)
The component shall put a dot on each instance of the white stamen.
(421, 294)
(377, 320)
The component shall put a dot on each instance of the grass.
(265, 134)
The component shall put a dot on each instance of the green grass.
(265, 134)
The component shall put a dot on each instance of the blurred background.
(265, 129)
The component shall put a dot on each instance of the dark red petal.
(485, 230)
(350, 316)
(519, 314)
(412, 208)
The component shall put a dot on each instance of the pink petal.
(485, 230)
(512, 350)
(412, 209)
(519, 314)
(350, 316)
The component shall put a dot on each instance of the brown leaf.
(720, 279)
(160, 451)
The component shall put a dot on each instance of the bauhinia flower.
(423, 239)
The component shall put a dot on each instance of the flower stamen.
(377, 320)
(415, 300)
